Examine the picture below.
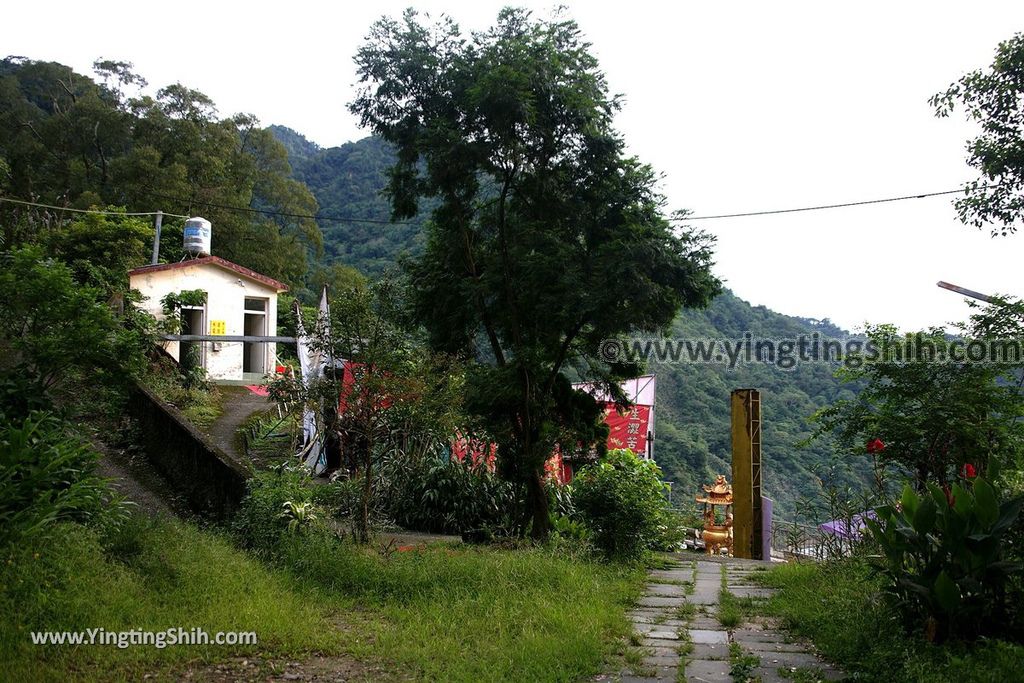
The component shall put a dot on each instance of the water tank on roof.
(198, 233)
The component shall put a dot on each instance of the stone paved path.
(680, 638)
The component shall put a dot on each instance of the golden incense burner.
(717, 536)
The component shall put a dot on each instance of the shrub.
(944, 557)
(47, 475)
(268, 511)
(443, 495)
(674, 529)
(621, 499)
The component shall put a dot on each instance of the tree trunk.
(364, 511)
(537, 502)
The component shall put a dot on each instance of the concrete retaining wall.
(211, 482)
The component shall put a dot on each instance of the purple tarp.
(851, 528)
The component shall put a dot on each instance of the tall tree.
(546, 238)
(994, 99)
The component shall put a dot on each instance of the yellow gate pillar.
(746, 473)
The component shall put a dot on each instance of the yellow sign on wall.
(218, 327)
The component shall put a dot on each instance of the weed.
(741, 664)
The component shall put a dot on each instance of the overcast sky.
(742, 106)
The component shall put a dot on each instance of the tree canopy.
(995, 99)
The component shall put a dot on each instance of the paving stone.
(766, 675)
(757, 635)
(707, 670)
(709, 651)
(655, 620)
(655, 662)
(668, 673)
(751, 592)
(759, 648)
(683, 574)
(771, 674)
(654, 601)
(700, 597)
(791, 659)
(646, 619)
(698, 635)
(659, 648)
(663, 635)
(646, 628)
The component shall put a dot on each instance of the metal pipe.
(226, 338)
(968, 292)
(156, 240)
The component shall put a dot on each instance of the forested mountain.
(692, 416)
(346, 182)
(693, 409)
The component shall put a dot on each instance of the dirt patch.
(134, 478)
(316, 668)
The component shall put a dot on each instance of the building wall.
(225, 300)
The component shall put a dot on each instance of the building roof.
(214, 261)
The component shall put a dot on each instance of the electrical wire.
(97, 211)
(827, 206)
(377, 221)
(348, 219)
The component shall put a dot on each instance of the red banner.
(629, 428)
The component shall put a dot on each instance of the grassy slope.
(838, 607)
(166, 575)
(457, 614)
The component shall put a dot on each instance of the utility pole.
(156, 240)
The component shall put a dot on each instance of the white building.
(239, 301)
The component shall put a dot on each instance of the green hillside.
(693, 440)
(692, 416)
(346, 182)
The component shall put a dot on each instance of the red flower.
(876, 446)
(969, 472)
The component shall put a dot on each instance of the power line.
(377, 221)
(349, 219)
(97, 211)
(825, 206)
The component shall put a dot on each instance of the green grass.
(451, 613)
(201, 405)
(733, 610)
(155, 576)
(837, 606)
(472, 613)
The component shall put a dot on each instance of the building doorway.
(254, 354)
(191, 355)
